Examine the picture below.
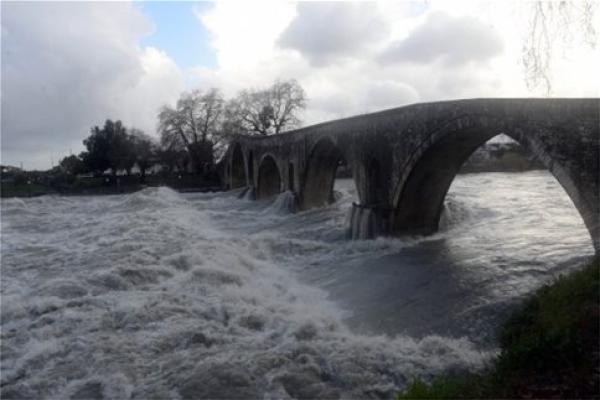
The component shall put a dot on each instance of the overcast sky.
(69, 66)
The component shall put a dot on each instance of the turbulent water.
(158, 294)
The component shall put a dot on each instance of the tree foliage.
(173, 159)
(96, 157)
(113, 147)
(145, 150)
(122, 151)
(191, 133)
(201, 124)
(109, 148)
(266, 111)
(72, 165)
(194, 124)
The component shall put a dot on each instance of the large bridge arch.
(269, 177)
(319, 178)
(419, 195)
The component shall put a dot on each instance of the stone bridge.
(403, 160)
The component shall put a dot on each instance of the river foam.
(142, 296)
(158, 294)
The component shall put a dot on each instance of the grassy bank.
(24, 190)
(549, 348)
(37, 189)
(107, 185)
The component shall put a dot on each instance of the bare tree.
(287, 99)
(244, 114)
(268, 111)
(194, 124)
(552, 23)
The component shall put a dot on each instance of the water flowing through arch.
(269, 178)
(323, 163)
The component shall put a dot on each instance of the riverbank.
(105, 186)
(549, 348)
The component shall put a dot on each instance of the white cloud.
(451, 40)
(457, 49)
(68, 66)
(243, 32)
(331, 48)
(324, 32)
(160, 83)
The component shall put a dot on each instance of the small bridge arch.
(322, 165)
(269, 178)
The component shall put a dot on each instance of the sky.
(68, 66)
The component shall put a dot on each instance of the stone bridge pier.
(403, 160)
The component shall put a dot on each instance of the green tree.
(122, 149)
(109, 148)
(96, 158)
(72, 165)
(145, 150)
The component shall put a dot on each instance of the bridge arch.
(269, 177)
(419, 195)
(238, 170)
(324, 159)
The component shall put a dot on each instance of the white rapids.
(158, 294)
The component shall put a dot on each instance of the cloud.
(160, 82)
(245, 31)
(345, 80)
(331, 49)
(367, 95)
(452, 40)
(343, 87)
(69, 66)
(324, 32)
